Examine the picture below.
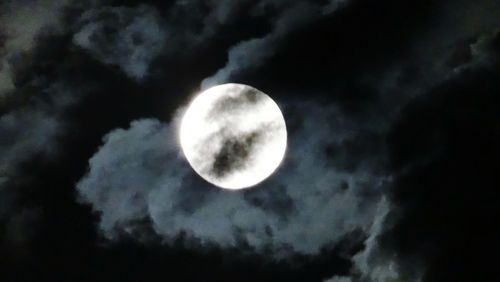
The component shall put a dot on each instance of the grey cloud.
(6, 79)
(32, 129)
(333, 5)
(110, 33)
(219, 13)
(130, 38)
(139, 173)
(375, 263)
(483, 52)
(148, 158)
(20, 23)
(253, 52)
(456, 23)
(24, 132)
(30, 118)
(200, 19)
(28, 132)
(339, 279)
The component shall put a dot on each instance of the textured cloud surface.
(140, 173)
(32, 130)
(253, 52)
(20, 23)
(126, 37)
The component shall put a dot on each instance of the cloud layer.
(20, 24)
(310, 203)
(129, 38)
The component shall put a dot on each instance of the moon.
(233, 135)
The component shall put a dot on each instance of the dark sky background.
(391, 173)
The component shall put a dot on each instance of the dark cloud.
(20, 23)
(440, 174)
(447, 184)
(252, 53)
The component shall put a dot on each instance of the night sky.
(390, 175)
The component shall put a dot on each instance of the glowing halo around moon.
(233, 135)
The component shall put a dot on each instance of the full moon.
(233, 135)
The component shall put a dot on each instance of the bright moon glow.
(233, 135)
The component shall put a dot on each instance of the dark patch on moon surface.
(234, 153)
(230, 104)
